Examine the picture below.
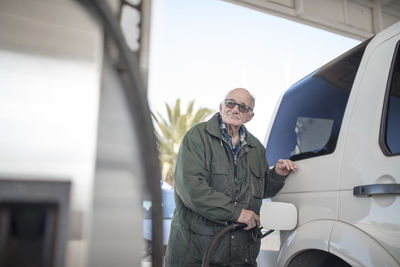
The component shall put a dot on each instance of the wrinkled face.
(233, 116)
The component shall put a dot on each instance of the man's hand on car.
(285, 166)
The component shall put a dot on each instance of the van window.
(309, 117)
(392, 121)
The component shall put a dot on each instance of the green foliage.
(171, 131)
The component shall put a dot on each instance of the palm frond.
(177, 110)
(189, 109)
(169, 111)
(170, 132)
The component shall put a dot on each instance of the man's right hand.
(250, 218)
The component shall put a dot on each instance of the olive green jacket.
(210, 193)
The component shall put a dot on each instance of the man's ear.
(220, 108)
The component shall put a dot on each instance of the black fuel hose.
(256, 235)
(210, 249)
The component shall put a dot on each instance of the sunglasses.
(230, 103)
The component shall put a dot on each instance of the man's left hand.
(285, 166)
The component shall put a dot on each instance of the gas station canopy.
(359, 19)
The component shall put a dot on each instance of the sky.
(201, 49)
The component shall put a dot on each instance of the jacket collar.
(213, 129)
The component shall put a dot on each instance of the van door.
(370, 179)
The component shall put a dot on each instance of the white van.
(341, 124)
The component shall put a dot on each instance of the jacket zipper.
(232, 157)
(234, 193)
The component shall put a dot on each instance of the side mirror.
(278, 215)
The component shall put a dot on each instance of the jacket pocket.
(256, 182)
(221, 183)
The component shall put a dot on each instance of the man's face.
(233, 116)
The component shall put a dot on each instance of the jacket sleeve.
(191, 184)
(273, 182)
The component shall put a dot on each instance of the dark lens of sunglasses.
(243, 108)
(230, 104)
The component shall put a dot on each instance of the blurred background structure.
(66, 127)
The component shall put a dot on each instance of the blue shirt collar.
(228, 138)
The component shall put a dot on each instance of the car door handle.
(376, 189)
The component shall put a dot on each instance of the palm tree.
(171, 132)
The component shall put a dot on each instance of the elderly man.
(221, 176)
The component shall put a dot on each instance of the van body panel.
(364, 162)
(369, 215)
(304, 179)
(358, 248)
(313, 235)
